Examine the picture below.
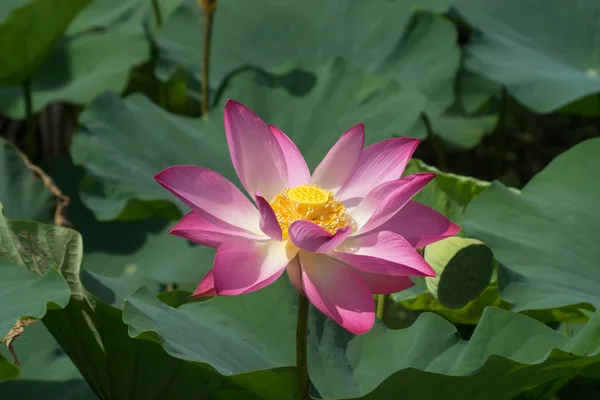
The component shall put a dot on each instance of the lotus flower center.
(309, 203)
(308, 195)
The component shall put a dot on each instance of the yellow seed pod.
(308, 195)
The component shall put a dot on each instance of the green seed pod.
(463, 269)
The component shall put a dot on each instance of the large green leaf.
(425, 360)
(27, 35)
(249, 340)
(122, 14)
(40, 248)
(313, 111)
(32, 258)
(28, 293)
(115, 365)
(545, 237)
(429, 360)
(94, 336)
(21, 192)
(238, 334)
(386, 38)
(96, 339)
(545, 52)
(79, 69)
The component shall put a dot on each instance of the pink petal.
(309, 236)
(297, 170)
(208, 193)
(256, 154)
(383, 202)
(337, 165)
(243, 266)
(206, 288)
(338, 292)
(294, 274)
(196, 228)
(379, 163)
(383, 253)
(386, 284)
(420, 225)
(268, 221)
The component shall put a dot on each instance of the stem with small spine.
(301, 351)
(209, 7)
(157, 13)
(381, 302)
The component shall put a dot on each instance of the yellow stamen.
(309, 203)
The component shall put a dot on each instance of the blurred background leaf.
(120, 14)
(22, 193)
(345, 96)
(79, 69)
(27, 35)
(384, 38)
(546, 54)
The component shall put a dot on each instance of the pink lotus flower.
(343, 233)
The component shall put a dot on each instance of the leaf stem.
(381, 302)
(158, 86)
(301, 352)
(209, 7)
(157, 13)
(30, 137)
(566, 328)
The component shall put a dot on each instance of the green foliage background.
(103, 94)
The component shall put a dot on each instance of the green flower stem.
(301, 334)
(209, 7)
(30, 137)
(381, 300)
(157, 13)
